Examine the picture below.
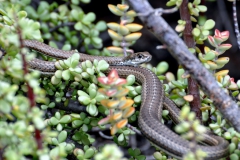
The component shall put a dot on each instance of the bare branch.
(235, 20)
(159, 11)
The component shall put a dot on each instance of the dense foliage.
(57, 117)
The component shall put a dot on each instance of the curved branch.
(158, 26)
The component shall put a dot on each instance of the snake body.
(153, 100)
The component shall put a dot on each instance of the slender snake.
(153, 100)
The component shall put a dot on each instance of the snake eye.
(140, 56)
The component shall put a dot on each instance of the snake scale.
(153, 100)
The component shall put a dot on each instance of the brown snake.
(153, 100)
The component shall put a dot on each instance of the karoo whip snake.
(153, 100)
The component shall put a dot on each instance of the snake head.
(136, 59)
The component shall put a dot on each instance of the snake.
(153, 101)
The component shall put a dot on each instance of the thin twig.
(134, 129)
(161, 11)
(104, 135)
(235, 21)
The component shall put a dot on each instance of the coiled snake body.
(153, 100)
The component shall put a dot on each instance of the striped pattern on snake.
(153, 100)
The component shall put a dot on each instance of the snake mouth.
(149, 58)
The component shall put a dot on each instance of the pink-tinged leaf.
(111, 92)
(107, 119)
(110, 79)
(120, 81)
(108, 92)
(104, 120)
(103, 80)
(224, 47)
(217, 33)
(113, 76)
(111, 112)
(218, 40)
(212, 41)
(232, 79)
(233, 86)
(225, 35)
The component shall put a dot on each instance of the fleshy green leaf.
(209, 24)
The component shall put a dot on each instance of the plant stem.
(30, 93)
(189, 40)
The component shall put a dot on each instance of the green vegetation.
(32, 123)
